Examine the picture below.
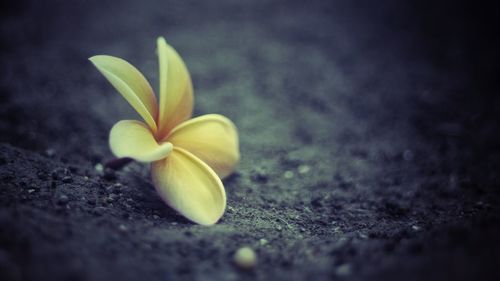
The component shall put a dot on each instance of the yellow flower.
(188, 156)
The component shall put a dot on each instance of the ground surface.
(368, 141)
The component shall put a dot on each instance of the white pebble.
(245, 258)
(122, 227)
(304, 169)
(288, 175)
(363, 236)
(343, 270)
(99, 167)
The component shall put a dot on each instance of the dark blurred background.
(457, 39)
(369, 139)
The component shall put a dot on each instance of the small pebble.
(363, 236)
(110, 199)
(304, 169)
(99, 167)
(337, 229)
(42, 175)
(263, 242)
(288, 174)
(343, 270)
(54, 175)
(245, 258)
(99, 210)
(63, 199)
(31, 190)
(416, 228)
(122, 227)
(67, 179)
(50, 152)
(117, 188)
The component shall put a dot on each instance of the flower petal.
(131, 84)
(176, 89)
(134, 139)
(213, 138)
(189, 186)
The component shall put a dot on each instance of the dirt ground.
(368, 131)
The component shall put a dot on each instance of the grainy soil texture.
(368, 134)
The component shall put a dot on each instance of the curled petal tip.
(134, 139)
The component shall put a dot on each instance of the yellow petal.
(213, 138)
(176, 89)
(189, 186)
(133, 139)
(131, 84)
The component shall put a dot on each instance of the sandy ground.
(368, 137)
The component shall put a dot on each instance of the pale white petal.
(131, 84)
(189, 186)
(176, 89)
(134, 139)
(213, 138)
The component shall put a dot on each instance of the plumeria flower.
(188, 157)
